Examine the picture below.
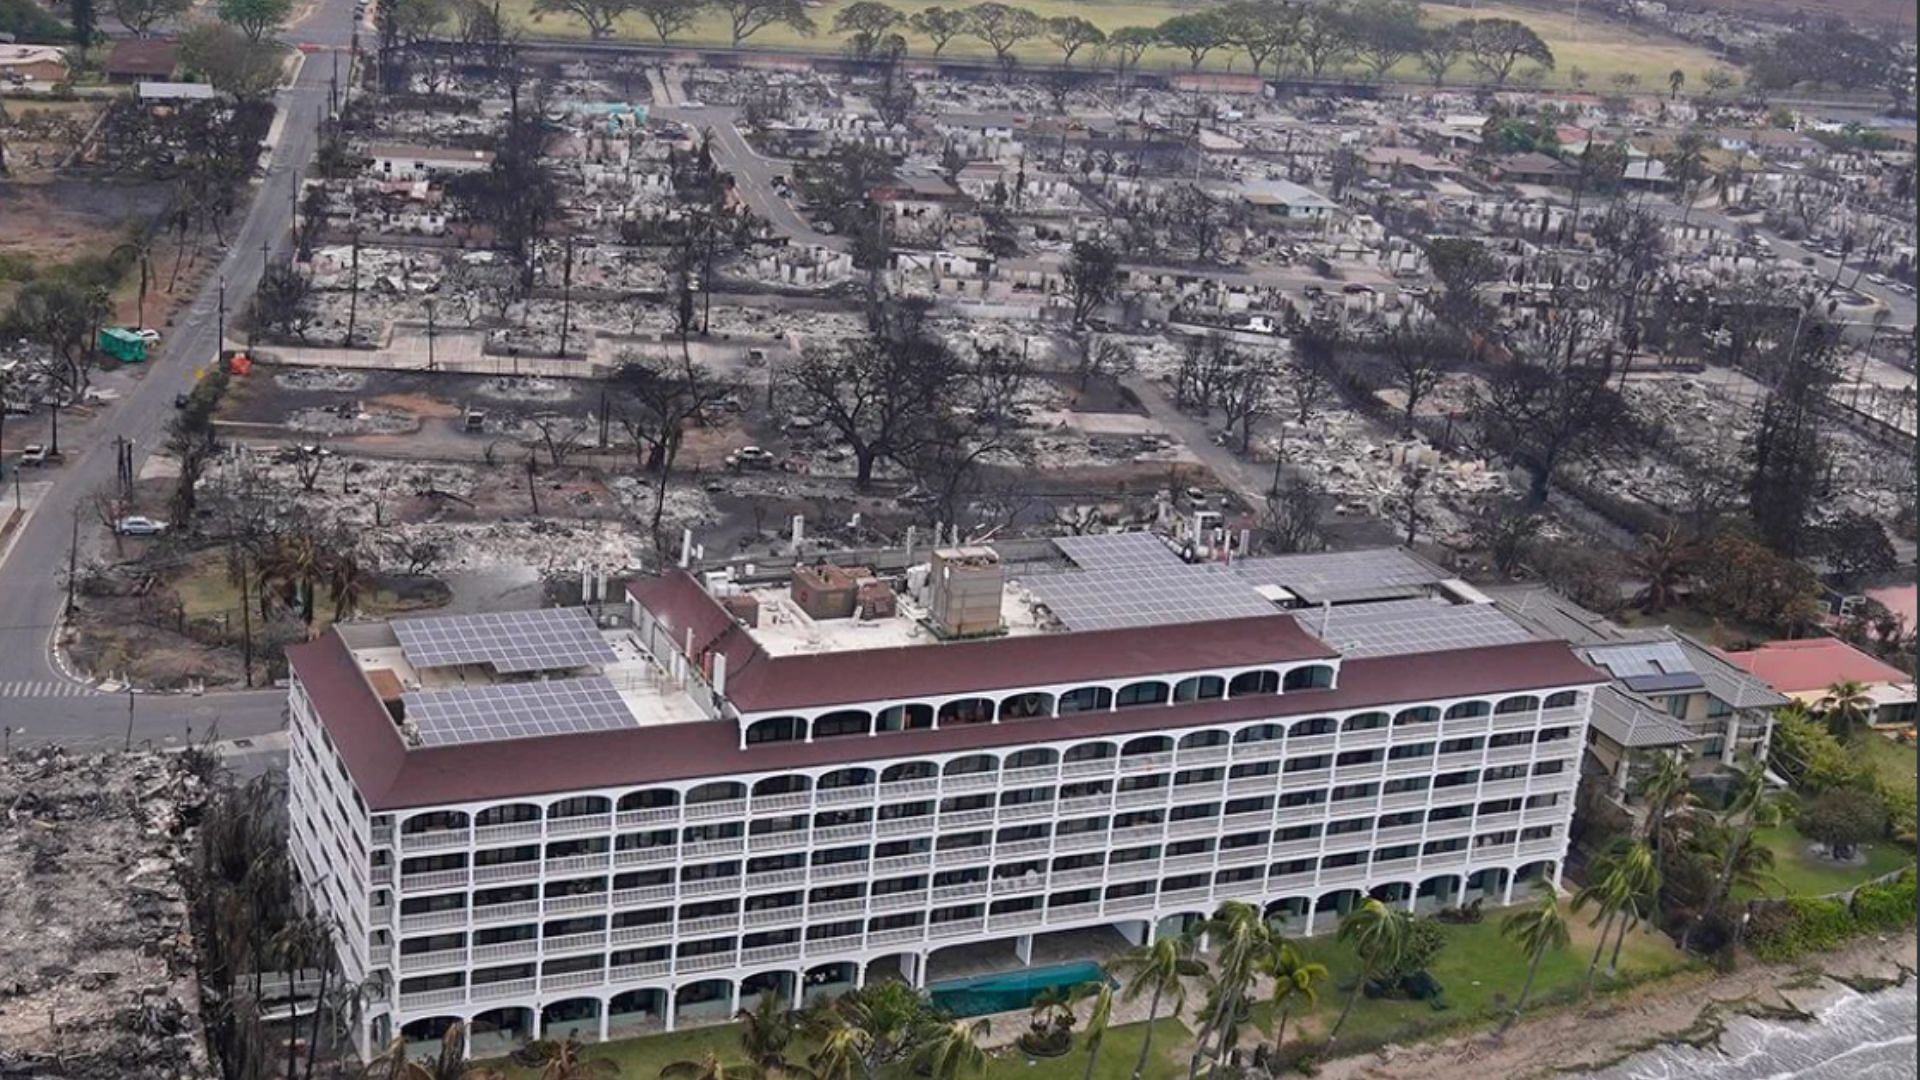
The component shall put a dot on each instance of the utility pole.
(220, 343)
(73, 559)
(353, 289)
(430, 366)
(129, 746)
(566, 298)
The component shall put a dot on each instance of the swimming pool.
(1008, 990)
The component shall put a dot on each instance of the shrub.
(1801, 925)
(1885, 906)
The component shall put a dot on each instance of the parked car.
(139, 526)
(33, 454)
(751, 457)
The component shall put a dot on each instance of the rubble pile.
(1706, 421)
(96, 958)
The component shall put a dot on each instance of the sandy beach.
(1591, 1037)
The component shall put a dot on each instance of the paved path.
(32, 593)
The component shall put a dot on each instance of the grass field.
(1802, 873)
(1482, 973)
(1602, 48)
(643, 1058)
(206, 592)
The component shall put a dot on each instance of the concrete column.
(859, 974)
(1731, 738)
(733, 998)
(1556, 876)
(606, 1008)
(1308, 932)
(916, 970)
(1511, 879)
(533, 1027)
(672, 1011)
(1413, 897)
(1136, 932)
(1023, 948)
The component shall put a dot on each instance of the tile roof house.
(1805, 670)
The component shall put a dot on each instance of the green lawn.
(642, 1058)
(1600, 47)
(1803, 874)
(1482, 973)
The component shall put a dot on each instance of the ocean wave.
(1855, 1036)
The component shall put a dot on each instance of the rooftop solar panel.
(491, 713)
(1118, 551)
(1643, 658)
(1401, 627)
(1342, 576)
(548, 639)
(1112, 599)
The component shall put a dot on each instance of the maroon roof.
(391, 777)
(153, 58)
(758, 682)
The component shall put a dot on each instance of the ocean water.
(1857, 1037)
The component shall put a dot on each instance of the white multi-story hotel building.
(541, 822)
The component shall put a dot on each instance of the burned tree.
(884, 394)
(1093, 277)
(657, 398)
(1556, 403)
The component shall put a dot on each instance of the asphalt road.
(39, 702)
(752, 174)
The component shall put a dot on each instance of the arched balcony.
(1026, 706)
(1467, 710)
(1200, 688)
(1421, 714)
(1310, 677)
(1254, 682)
(843, 722)
(1366, 721)
(776, 729)
(911, 717)
(1137, 694)
(977, 710)
(1085, 699)
(1520, 703)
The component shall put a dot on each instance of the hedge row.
(1818, 924)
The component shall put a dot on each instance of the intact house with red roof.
(750, 780)
(1807, 669)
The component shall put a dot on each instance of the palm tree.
(1663, 561)
(1097, 1021)
(842, 1052)
(952, 1050)
(890, 1014)
(1846, 706)
(1668, 803)
(301, 943)
(1748, 808)
(567, 1064)
(1614, 879)
(1052, 1008)
(1675, 80)
(710, 1067)
(1245, 940)
(1294, 977)
(1539, 930)
(1154, 969)
(1378, 934)
(766, 1031)
(348, 579)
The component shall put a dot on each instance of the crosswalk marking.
(45, 688)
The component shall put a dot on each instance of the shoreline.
(1689, 1008)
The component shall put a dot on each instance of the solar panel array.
(1401, 627)
(1118, 551)
(1178, 593)
(512, 641)
(475, 714)
(1341, 576)
(1641, 658)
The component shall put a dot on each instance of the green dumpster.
(123, 345)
